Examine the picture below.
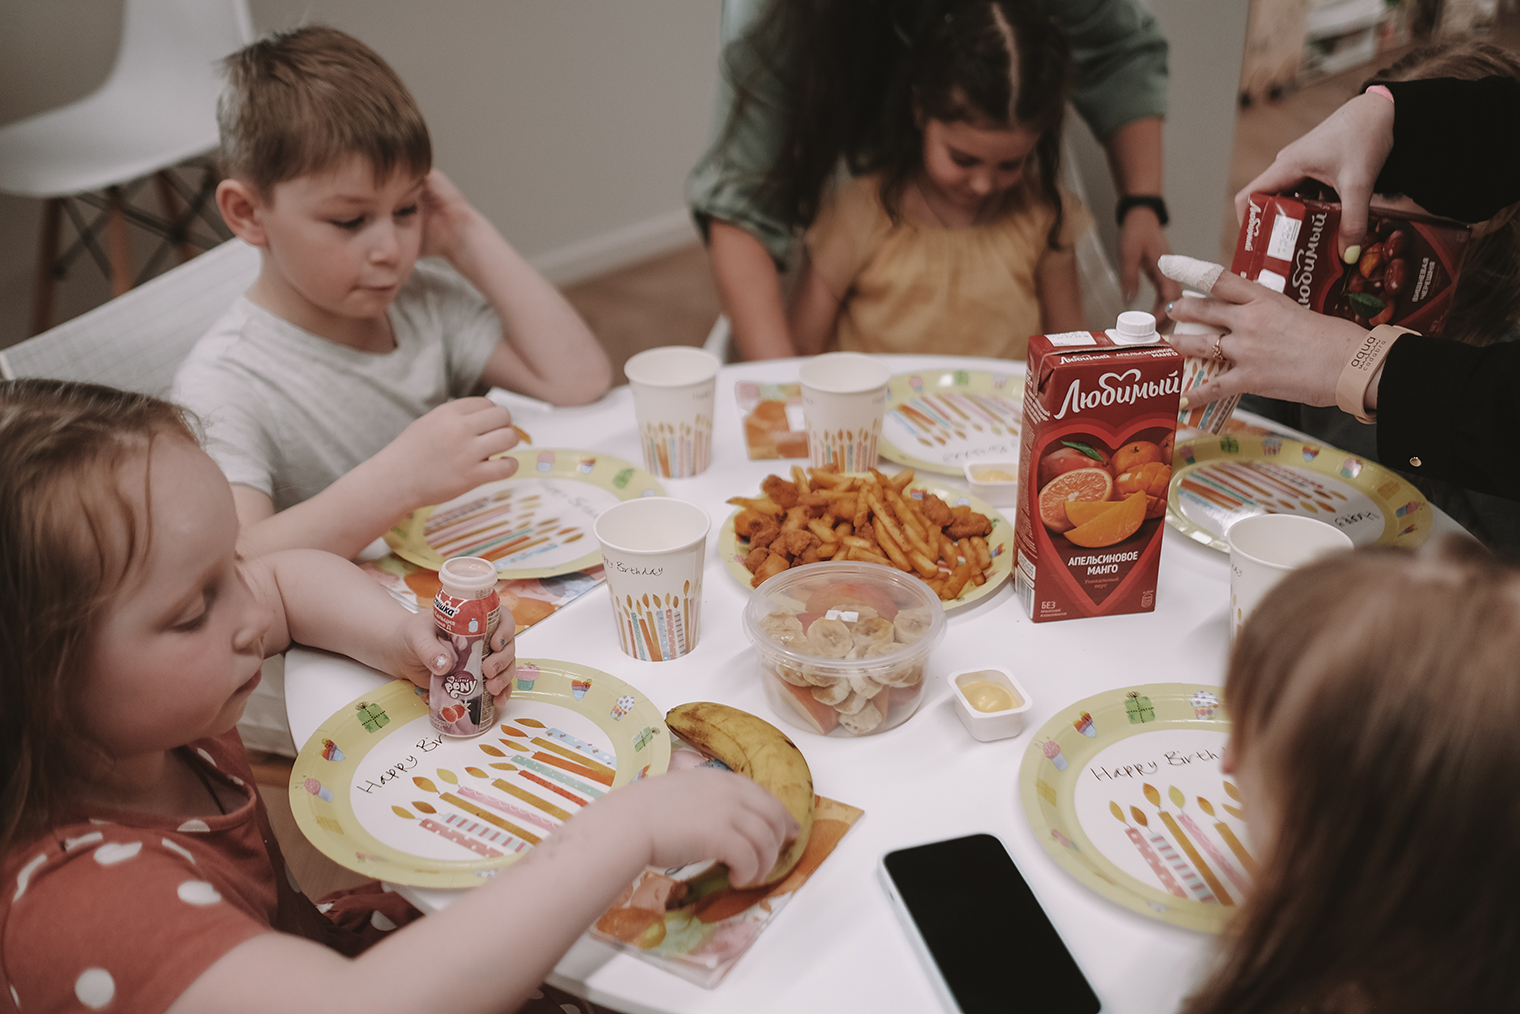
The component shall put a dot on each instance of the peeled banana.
(758, 750)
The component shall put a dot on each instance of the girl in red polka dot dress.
(139, 869)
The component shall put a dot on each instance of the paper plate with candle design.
(379, 791)
(1124, 790)
(937, 420)
(1217, 480)
(535, 524)
(732, 549)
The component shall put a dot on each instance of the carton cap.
(1135, 327)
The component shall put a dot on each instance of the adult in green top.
(806, 84)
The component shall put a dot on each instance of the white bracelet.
(1364, 364)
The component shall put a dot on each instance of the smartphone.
(982, 934)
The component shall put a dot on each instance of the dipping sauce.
(987, 696)
(993, 475)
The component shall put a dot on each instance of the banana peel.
(761, 752)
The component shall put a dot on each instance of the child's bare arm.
(477, 945)
(546, 350)
(1060, 292)
(815, 310)
(325, 602)
(437, 457)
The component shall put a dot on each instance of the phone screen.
(994, 945)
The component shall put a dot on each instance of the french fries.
(823, 514)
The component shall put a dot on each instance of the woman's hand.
(1346, 151)
(1277, 348)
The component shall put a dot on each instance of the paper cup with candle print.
(1265, 547)
(844, 397)
(673, 391)
(654, 549)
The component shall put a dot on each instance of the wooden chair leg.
(119, 244)
(169, 202)
(47, 260)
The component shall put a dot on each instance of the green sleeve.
(1120, 55)
(725, 183)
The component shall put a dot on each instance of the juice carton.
(1407, 273)
(1100, 416)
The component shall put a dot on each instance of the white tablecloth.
(837, 946)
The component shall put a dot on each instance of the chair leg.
(168, 201)
(118, 243)
(47, 260)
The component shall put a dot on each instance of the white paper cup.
(673, 390)
(1264, 547)
(844, 396)
(654, 548)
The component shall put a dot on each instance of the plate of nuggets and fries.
(957, 544)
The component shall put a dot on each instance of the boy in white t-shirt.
(325, 388)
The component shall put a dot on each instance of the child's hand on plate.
(500, 667)
(416, 651)
(447, 452)
(700, 813)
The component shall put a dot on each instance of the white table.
(837, 946)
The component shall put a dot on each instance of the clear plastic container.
(844, 646)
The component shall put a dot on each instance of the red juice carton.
(1100, 417)
(1407, 273)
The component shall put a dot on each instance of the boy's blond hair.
(299, 102)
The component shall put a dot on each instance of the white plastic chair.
(137, 341)
(156, 109)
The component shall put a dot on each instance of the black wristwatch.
(1153, 201)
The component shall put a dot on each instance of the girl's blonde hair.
(1486, 304)
(69, 536)
(1376, 693)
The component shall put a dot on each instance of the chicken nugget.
(971, 524)
(773, 565)
(934, 510)
(779, 490)
(797, 542)
(764, 535)
(756, 557)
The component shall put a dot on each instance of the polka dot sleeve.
(118, 918)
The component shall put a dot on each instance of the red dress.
(122, 911)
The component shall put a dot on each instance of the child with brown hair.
(1374, 703)
(138, 866)
(958, 240)
(325, 388)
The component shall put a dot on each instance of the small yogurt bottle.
(466, 611)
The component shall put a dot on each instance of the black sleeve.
(1456, 146)
(1452, 411)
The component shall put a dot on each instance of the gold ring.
(1218, 355)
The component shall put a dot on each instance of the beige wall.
(570, 123)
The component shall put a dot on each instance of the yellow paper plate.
(733, 549)
(1124, 790)
(535, 524)
(1217, 480)
(378, 790)
(940, 419)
